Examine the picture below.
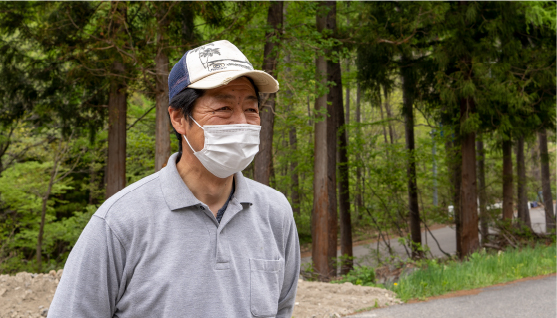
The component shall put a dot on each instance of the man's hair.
(184, 103)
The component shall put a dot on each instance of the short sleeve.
(91, 283)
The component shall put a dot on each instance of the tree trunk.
(320, 217)
(507, 181)
(434, 169)
(295, 179)
(343, 175)
(522, 202)
(534, 160)
(359, 187)
(468, 198)
(454, 162)
(382, 119)
(53, 174)
(389, 115)
(293, 142)
(408, 111)
(347, 103)
(482, 190)
(162, 130)
(92, 180)
(117, 112)
(263, 160)
(334, 101)
(546, 183)
(117, 108)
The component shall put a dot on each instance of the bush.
(360, 275)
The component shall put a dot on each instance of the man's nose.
(239, 117)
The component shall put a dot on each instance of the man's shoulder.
(259, 189)
(264, 195)
(130, 196)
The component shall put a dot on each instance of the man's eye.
(251, 110)
(224, 108)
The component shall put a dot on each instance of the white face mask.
(228, 148)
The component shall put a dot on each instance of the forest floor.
(28, 295)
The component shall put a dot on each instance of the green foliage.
(361, 275)
(480, 270)
(56, 62)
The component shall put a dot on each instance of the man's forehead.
(226, 91)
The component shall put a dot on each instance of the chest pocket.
(265, 278)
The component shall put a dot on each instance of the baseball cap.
(216, 64)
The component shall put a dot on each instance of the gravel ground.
(27, 295)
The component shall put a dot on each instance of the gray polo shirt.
(154, 250)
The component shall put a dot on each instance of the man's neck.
(205, 186)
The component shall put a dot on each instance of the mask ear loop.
(187, 138)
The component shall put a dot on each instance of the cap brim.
(265, 83)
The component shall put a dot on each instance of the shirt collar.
(177, 194)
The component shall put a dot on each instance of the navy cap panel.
(179, 78)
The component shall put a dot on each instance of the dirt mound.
(28, 295)
(315, 299)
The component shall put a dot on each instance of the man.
(196, 239)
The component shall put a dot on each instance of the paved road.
(530, 299)
(446, 237)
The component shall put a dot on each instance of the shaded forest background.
(391, 116)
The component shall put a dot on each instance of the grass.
(480, 270)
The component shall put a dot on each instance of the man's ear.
(177, 120)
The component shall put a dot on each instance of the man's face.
(234, 103)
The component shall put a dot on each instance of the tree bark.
(389, 115)
(162, 130)
(382, 119)
(507, 181)
(347, 103)
(343, 173)
(522, 202)
(295, 178)
(334, 101)
(408, 111)
(482, 190)
(322, 225)
(546, 182)
(359, 187)
(117, 109)
(263, 159)
(117, 112)
(468, 198)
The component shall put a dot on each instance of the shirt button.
(202, 208)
